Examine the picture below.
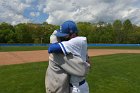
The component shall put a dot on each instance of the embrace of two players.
(67, 42)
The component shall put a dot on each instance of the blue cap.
(68, 27)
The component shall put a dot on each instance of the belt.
(80, 83)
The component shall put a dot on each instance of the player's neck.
(73, 36)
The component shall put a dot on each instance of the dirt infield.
(19, 57)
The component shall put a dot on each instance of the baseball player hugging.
(70, 42)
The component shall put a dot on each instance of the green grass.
(22, 48)
(24, 78)
(113, 47)
(117, 73)
(31, 48)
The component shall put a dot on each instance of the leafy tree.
(23, 33)
(48, 31)
(101, 32)
(127, 26)
(4, 26)
(6, 33)
(84, 28)
(118, 34)
(6, 36)
(91, 34)
(127, 29)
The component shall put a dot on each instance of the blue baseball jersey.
(77, 46)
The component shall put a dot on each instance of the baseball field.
(112, 70)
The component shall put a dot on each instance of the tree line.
(117, 32)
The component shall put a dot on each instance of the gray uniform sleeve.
(71, 64)
(53, 38)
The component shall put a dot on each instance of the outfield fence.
(109, 45)
(24, 44)
(90, 45)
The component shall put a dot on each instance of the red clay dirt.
(7, 58)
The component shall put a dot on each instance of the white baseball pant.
(84, 88)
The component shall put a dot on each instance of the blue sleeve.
(54, 48)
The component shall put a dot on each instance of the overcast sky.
(58, 11)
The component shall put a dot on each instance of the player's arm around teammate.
(57, 77)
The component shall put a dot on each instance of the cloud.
(11, 11)
(22, 11)
(34, 14)
(92, 10)
(29, 1)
